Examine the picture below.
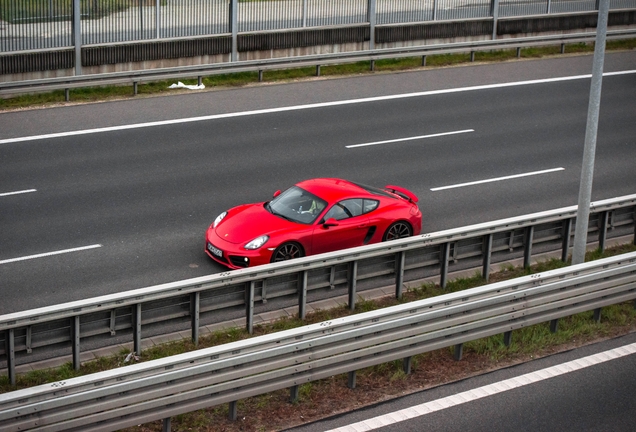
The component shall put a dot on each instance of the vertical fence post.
(75, 335)
(9, 337)
(602, 229)
(399, 273)
(136, 325)
(549, 7)
(77, 36)
(233, 24)
(157, 19)
(195, 300)
(353, 277)
(487, 251)
(434, 10)
(494, 12)
(458, 352)
(371, 17)
(302, 295)
(249, 307)
(304, 13)
(527, 246)
(443, 261)
(141, 20)
(565, 244)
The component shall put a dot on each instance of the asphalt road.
(140, 198)
(594, 398)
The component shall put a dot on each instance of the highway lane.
(147, 195)
(594, 398)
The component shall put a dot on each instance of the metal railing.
(198, 71)
(32, 25)
(193, 303)
(167, 387)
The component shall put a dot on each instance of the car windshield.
(297, 205)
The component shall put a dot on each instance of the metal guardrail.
(163, 388)
(198, 71)
(193, 302)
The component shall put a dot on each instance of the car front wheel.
(287, 251)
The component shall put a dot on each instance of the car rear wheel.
(398, 230)
(287, 251)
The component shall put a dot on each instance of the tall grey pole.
(234, 28)
(587, 170)
(371, 17)
(77, 36)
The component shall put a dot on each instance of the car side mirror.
(330, 222)
(276, 193)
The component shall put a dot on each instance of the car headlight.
(257, 242)
(218, 219)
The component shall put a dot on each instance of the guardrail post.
(260, 75)
(317, 70)
(554, 325)
(518, 52)
(443, 261)
(458, 352)
(351, 379)
(332, 277)
(562, 48)
(353, 277)
(527, 246)
(597, 315)
(602, 229)
(472, 56)
(75, 340)
(195, 301)
(166, 424)
(487, 251)
(567, 233)
(294, 393)
(406, 365)
(67, 94)
(232, 413)
(399, 273)
(507, 338)
(9, 338)
(302, 295)
(249, 306)
(264, 291)
(135, 88)
(136, 325)
(423, 60)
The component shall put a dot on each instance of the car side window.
(345, 209)
(369, 205)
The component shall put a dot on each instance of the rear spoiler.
(404, 193)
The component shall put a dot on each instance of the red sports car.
(312, 217)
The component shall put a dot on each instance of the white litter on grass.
(191, 87)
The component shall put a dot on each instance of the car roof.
(333, 189)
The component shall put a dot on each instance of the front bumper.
(232, 255)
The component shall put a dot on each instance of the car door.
(349, 229)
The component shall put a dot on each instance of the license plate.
(215, 251)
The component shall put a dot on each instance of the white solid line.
(497, 179)
(485, 391)
(17, 192)
(411, 138)
(309, 106)
(50, 253)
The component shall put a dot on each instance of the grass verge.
(95, 94)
